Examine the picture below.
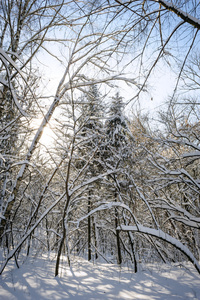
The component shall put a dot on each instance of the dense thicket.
(105, 184)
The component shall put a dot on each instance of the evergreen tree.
(91, 136)
(116, 128)
(117, 154)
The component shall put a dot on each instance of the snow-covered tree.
(175, 179)
(117, 153)
(87, 47)
(44, 194)
(91, 134)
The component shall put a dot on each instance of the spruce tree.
(89, 150)
(117, 151)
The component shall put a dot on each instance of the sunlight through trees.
(82, 170)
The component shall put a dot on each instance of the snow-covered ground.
(35, 280)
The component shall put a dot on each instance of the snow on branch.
(184, 220)
(93, 179)
(145, 201)
(23, 239)
(104, 206)
(165, 237)
(180, 13)
(5, 60)
(186, 217)
(191, 154)
(4, 82)
(1, 157)
(75, 84)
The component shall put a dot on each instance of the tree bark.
(89, 228)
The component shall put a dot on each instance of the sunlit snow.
(86, 280)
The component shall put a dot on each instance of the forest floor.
(85, 280)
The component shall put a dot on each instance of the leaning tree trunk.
(63, 238)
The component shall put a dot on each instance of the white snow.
(104, 206)
(85, 280)
(165, 237)
(180, 12)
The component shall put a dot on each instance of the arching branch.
(165, 237)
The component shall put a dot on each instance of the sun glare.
(48, 136)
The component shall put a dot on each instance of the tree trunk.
(133, 252)
(89, 229)
(119, 256)
(63, 238)
(95, 238)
